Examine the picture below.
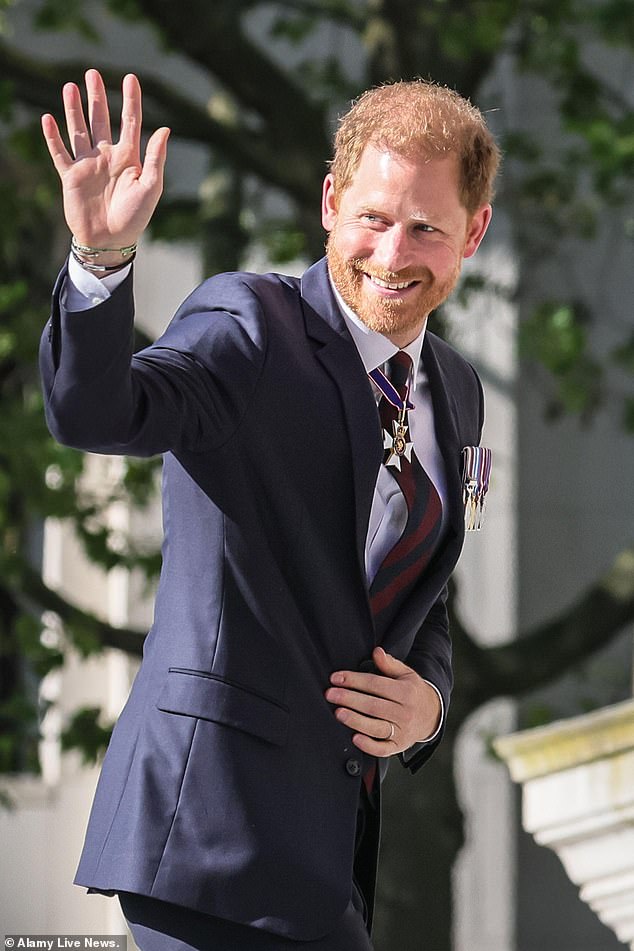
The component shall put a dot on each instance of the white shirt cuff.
(428, 739)
(83, 290)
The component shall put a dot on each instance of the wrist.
(102, 260)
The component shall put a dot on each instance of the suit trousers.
(162, 926)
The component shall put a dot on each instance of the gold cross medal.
(398, 445)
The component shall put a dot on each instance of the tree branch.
(419, 44)
(333, 10)
(539, 657)
(220, 45)
(37, 84)
(34, 597)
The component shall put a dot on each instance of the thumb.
(388, 665)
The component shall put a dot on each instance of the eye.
(368, 218)
(372, 220)
(424, 228)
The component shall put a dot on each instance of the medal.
(397, 443)
(475, 484)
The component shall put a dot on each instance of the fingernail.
(337, 678)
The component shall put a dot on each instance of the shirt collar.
(374, 348)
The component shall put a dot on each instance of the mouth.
(390, 287)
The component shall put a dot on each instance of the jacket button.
(353, 767)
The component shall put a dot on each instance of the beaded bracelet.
(93, 252)
(101, 268)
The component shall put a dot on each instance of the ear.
(476, 230)
(328, 203)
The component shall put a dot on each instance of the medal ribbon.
(390, 392)
(477, 467)
(476, 476)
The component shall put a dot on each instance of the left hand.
(371, 704)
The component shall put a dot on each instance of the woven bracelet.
(93, 252)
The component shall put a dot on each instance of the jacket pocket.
(195, 693)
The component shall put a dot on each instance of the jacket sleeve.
(189, 389)
(430, 657)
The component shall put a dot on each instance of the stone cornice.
(568, 743)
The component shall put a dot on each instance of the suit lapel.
(340, 357)
(446, 421)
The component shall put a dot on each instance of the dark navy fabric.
(229, 787)
(161, 926)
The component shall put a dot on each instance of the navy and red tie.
(406, 561)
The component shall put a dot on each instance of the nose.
(393, 250)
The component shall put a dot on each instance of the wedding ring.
(391, 736)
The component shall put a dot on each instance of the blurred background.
(476, 856)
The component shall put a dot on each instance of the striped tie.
(405, 562)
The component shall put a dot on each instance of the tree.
(265, 65)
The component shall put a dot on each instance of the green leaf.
(295, 28)
(61, 15)
(283, 241)
(87, 735)
(623, 355)
(555, 335)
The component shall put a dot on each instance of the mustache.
(422, 275)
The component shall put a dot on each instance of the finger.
(98, 113)
(388, 665)
(379, 748)
(375, 684)
(131, 115)
(78, 136)
(55, 144)
(373, 727)
(362, 702)
(155, 158)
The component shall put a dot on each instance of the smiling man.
(300, 636)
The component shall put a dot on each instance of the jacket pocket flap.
(195, 693)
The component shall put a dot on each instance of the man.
(313, 514)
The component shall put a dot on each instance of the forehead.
(416, 182)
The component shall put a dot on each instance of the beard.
(383, 314)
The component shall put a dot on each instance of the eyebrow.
(418, 217)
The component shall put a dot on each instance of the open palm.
(109, 193)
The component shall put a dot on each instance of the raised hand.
(109, 193)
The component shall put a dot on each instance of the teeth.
(391, 287)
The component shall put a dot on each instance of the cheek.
(441, 259)
(354, 243)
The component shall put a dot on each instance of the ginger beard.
(388, 314)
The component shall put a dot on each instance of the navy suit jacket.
(229, 786)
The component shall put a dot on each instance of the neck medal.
(397, 443)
